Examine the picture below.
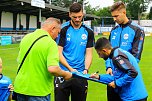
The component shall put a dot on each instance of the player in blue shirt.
(127, 79)
(5, 86)
(75, 49)
(126, 35)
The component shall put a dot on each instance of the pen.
(96, 72)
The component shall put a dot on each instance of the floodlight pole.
(83, 8)
(50, 2)
(40, 15)
(39, 19)
(40, 4)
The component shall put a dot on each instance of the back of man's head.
(50, 21)
(76, 7)
(102, 43)
(117, 6)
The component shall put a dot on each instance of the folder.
(104, 78)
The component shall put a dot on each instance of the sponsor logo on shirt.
(83, 43)
(126, 36)
(124, 43)
(113, 37)
(3, 81)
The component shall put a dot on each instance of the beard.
(76, 23)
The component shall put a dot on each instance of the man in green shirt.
(33, 81)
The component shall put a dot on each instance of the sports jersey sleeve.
(138, 44)
(126, 67)
(62, 36)
(53, 55)
(106, 78)
(4, 90)
(107, 62)
(90, 42)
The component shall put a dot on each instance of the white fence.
(148, 29)
(108, 29)
(102, 29)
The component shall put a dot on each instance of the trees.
(65, 3)
(61, 3)
(136, 7)
(105, 15)
(150, 14)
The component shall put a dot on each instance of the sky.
(106, 3)
(100, 3)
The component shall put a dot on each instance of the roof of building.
(24, 7)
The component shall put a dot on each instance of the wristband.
(86, 70)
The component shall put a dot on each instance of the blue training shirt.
(74, 43)
(4, 90)
(126, 75)
(129, 37)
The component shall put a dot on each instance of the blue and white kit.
(75, 42)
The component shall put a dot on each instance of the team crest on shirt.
(126, 36)
(84, 36)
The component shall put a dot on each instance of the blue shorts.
(21, 97)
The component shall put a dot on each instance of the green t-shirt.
(33, 78)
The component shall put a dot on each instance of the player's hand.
(109, 71)
(85, 71)
(95, 76)
(11, 87)
(67, 76)
(73, 70)
(112, 84)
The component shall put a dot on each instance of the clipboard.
(104, 79)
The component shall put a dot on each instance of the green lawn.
(96, 91)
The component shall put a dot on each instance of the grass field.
(96, 91)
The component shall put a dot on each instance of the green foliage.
(101, 12)
(135, 7)
(105, 12)
(58, 3)
(150, 14)
(95, 22)
(90, 10)
(67, 3)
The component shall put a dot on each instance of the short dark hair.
(76, 7)
(117, 6)
(102, 43)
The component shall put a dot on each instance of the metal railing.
(12, 32)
